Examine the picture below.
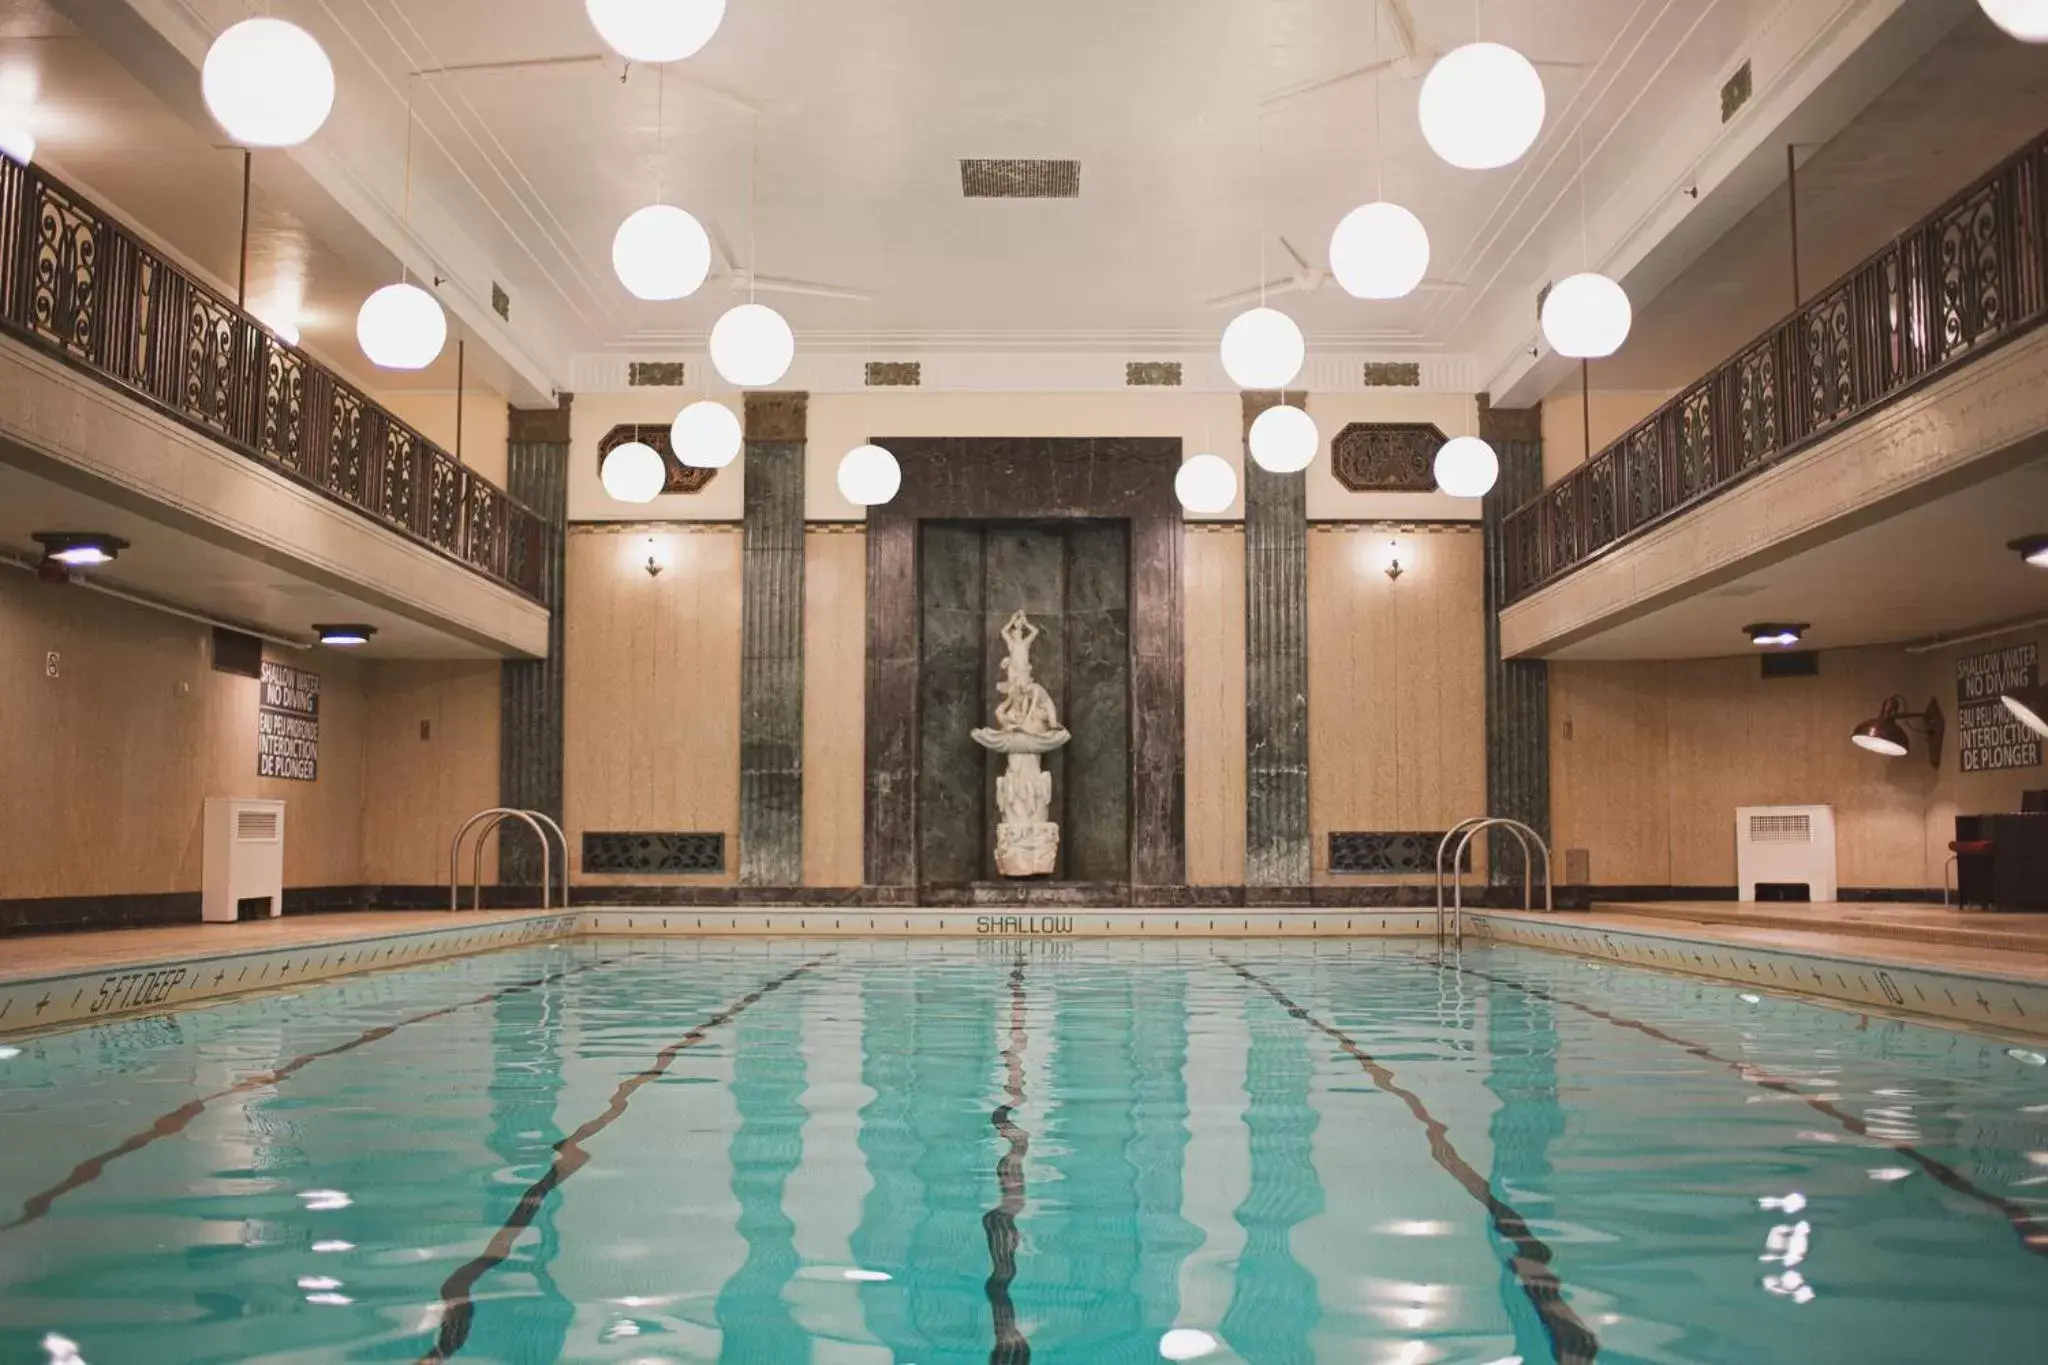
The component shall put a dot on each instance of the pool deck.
(1986, 971)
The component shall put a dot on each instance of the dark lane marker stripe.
(1000, 1222)
(458, 1308)
(2030, 1225)
(1571, 1340)
(175, 1122)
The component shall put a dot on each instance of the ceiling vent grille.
(996, 178)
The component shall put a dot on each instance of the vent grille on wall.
(656, 374)
(893, 374)
(501, 302)
(1371, 851)
(1735, 92)
(256, 826)
(1152, 374)
(1392, 374)
(656, 854)
(1781, 829)
(998, 178)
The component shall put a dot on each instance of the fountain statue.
(1027, 725)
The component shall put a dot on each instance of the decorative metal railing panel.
(1968, 277)
(78, 285)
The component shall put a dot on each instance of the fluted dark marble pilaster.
(530, 690)
(1517, 690)
(772, 643)
(1276, 850)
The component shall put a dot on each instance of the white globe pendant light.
(268, 83)
(18, 145)
(1206, 484)
(401, 327)
(1586, 316)
(1466, 467)
(869, 476)
(661, 252)
(2026, 20)
(1263, 349)
(655, 31)
(633, 472)
(1379, 251)
(752, 346)
(705, 435)
(1481, 106)
(1284, 440)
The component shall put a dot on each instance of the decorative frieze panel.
(682, 478)
(1387, 457)
(1152, 374)
(658, 855)
(1372, 852)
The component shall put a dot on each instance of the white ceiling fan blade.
(1299, 259)
(1287, 284)
(770, 284)
(721, 248)
(1295, 92)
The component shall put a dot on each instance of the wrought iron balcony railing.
(1965, 279)
(78, 285)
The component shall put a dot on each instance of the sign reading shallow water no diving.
(1992, 739)
(288, 724)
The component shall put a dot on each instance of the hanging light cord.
(660, 120)
(753, 204)
(406, 198)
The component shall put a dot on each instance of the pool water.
(933, 1152)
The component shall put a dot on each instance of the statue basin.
(1021, 742)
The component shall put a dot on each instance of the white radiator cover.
(243, 856)
(1785, 844)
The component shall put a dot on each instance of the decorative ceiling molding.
(682, 478)
(894, 374)
(1386, 457)
(1153, 374)
(777, 415)
(657, 374)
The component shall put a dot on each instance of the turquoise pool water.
(979, 1151)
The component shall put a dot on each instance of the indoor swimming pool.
(926, 1152)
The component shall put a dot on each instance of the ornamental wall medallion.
(1387, 457)
(682, 478)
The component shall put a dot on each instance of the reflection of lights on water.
(62, 1350)
(318, 1282)
(622, 1329)
(324, 1201)
(1787, 1243)
(1790, 1285)
(1750, 998)
(1791, 1203)
(645, 1300)
(2026, 1056)
(8, 1054)
(328, 1299)
(333, 1244)
(1186, 1343)
(1887, 1174)
(866, 1276)
(1410, 1353)
(1416, 1227)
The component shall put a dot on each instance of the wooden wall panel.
(1609, 777)
(432, 762)
(1397, 683)
(1212, 564)
(835, 705)
(652, 676)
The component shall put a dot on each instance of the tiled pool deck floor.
(1988, 971)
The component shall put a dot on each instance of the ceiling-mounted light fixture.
(1586, 316)
(2026, 20)
(752, 346)
(869, 476)
(1776, 634)
(344, 636)
(655, 31)
(1466, 467)
(1380, 250)
(706, 435)
(18, 144)
(1206, 484)
(268, 83)
(1481, 106)
(1263, 349)
(1283, 440)
(633, 472)
(660, 252)
(2033, 549)
(401, 326)
(1885, 733)
(79, 549)
(2029, 706)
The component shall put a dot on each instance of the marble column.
(1276, 849)
(1517, 690)
(530, 690)
(772, 643)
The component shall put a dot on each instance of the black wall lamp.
(65, 551)
(1885, 733)
(2033, 549)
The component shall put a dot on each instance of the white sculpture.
(1027, 725)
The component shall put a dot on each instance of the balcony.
(1955, 286)
(78, 286)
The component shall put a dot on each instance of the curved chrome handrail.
(496, 815)
(1520, 829)
(476, 866)
(1453, 832)
(563, 865)
(1458, 876)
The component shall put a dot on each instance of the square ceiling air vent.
(994, 178)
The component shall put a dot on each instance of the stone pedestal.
(1027, 844)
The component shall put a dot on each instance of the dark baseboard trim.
(1608, 895)
(63, 914)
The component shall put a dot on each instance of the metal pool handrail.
(497, 815)
(1453, 832)
(1458, 886)
(476, 865)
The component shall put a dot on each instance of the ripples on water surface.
(846, 1153)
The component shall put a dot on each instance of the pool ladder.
(1463, 832)
(537, 821)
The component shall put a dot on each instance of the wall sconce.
(654, 564)
(1885, 733)
(1395, 559)
(2033, 549)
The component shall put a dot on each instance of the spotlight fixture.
(1885, 733)
(1776, 634)
(2029, 706)
(2033, 549)
(79, 549)
(344, 636)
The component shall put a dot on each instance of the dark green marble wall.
(772, 643)
(1517, 690)
(1276, 846)
(530, 690)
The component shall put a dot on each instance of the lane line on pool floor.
(457, 1306)
(1572, 1342)
(177, 1120)
(2026, 1223)
(1000, 1222)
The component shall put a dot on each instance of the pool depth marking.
(1571, 1340)
(2031, 1227)
(458, 1308)
(1000, 1222)
(175, 1122)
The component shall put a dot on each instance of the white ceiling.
(1941, 568)
(175, 567)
